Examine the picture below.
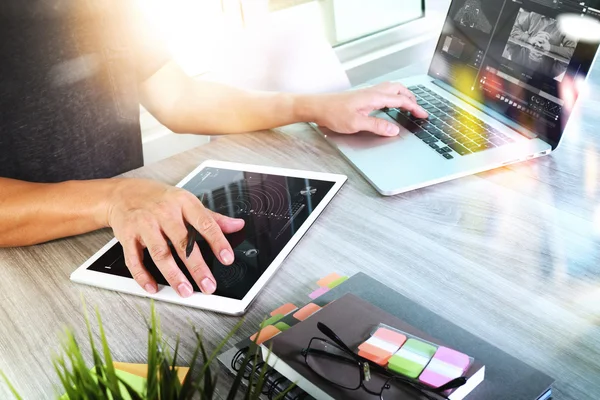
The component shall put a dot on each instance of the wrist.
(304, 108)
(107, 199)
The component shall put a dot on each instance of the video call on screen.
(512, 56)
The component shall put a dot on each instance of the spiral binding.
(275, 383)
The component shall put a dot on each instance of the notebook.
(505, 376)
(353, 320)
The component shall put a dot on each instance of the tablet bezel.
(199, 300)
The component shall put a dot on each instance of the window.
(194, 29)
(346, 20)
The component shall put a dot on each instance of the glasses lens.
(333, 364)
(399, 389)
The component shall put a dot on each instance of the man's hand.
(348, 112)
(148, 214)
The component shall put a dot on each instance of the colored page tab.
(282, 326)
(446, 365)
(271, 321)
(324, 282)
(390, 336)
(306, 311)
(412, 358)
(265, 334)
(320, 291)
(284, 309)
(374, 354)
(337, 282)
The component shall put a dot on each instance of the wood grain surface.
(512, 255)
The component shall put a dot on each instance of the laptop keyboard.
(449, 130)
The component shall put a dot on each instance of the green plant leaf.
(111, 376)
(10, 386)
(98, 365)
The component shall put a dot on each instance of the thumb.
(378, 126)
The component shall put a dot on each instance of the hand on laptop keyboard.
(348, 112)
(449, 129)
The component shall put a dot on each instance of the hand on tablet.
(145, 214)
(348, 112)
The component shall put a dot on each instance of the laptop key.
(448, 156)
(460, 149)
(430, 139)
(434, 146)
(423, 135)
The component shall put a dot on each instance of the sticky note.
(265, 334)
(390, 336)
(282, 326)
(412, 358)
(306, 311)
(381, 346)
(320, 291)
(284, 309)
(374, 354)
(272, 320)
(446, 365)
(324, 282)
(337, 282)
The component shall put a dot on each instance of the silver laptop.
(500, 90)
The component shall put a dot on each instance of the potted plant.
(81, 381)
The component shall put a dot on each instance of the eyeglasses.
(335, 362)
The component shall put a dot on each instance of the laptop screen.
(515, 57)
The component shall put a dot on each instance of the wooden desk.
(511, 255)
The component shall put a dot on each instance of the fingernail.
(208, 286)
(150, 288)
(185, 289)
(393, 130)
(226, 256)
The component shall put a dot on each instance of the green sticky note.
(136, 382)
(271, 321)
(412, 358)
(282, 326)
(337, 282)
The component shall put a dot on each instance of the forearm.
(213, 108)
(33, 213)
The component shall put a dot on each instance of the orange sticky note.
(374, 353)
(390, 336)
(324, 282)
(266, 333)
(306, 311)
(284, 309)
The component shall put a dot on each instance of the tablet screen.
(274, 208)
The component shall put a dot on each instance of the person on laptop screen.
(72, 77)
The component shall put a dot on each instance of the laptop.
(500, 90)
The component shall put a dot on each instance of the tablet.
(278, 205)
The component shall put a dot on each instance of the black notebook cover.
(506, 377)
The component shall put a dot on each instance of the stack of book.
(404, 345)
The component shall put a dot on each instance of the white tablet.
(278, 205)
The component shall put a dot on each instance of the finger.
(201, 219)
(134, 260)
(176, 231)
(376, 125)
(398, 88)
(227, 224)
(404, 103)
(161, 255)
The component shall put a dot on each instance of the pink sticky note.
(320, 291)
(446, 365)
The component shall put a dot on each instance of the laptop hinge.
(487, 110)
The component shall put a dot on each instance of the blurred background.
(287, 45)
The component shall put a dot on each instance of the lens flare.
(580, 27)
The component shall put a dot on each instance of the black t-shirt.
(69, 77)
